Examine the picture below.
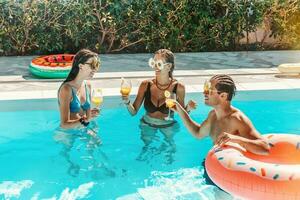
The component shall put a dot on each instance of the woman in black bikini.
(152, 93)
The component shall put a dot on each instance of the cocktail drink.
(125, 91)
(97, 97)
(97, 101)
(125, 87)
(169, 103)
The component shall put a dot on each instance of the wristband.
(81, 120)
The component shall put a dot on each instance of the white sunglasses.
(159, 63)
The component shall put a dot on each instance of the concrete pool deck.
(250, 71)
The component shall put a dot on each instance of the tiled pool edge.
(145, 74)
(249, 77)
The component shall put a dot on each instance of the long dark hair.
(80, 58)
(169, 57)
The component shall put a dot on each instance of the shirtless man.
(224, 123)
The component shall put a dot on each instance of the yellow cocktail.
(125, 91)
(97, 101)
(170, 103)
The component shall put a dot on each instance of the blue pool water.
(39, 161)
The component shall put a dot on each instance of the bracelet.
(81, 120)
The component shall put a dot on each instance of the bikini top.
(75, 104)
(150, 107)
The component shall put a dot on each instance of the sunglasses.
(95, 64)
(159, 64)
(207, 88)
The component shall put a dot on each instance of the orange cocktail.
(97, 97)
(97, 101)
(125, 91)
(170, 103)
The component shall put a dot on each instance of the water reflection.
(81, 149)
(154, 146)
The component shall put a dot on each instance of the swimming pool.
(39, 161)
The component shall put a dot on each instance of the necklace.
(162, 88)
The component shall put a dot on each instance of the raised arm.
(134, 108)
(197, 130)
(180, 94)
(191, 105)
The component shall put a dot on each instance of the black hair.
(80, 58)
(225, 84)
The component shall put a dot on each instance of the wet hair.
(80, 58)
(169, 58)
(225, 84)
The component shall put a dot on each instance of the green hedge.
(108, 26)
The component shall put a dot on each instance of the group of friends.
(224, 123)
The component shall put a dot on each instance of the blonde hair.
(169, 58)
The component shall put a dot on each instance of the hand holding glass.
(125, 87)
(169, 103)
(97, 97)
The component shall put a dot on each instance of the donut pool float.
(52, 66)
(261, 177)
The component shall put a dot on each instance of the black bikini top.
(150, 107)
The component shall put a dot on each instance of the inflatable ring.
(289, 68)
(52, 66)
(250, 176)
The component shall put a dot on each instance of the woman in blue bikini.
(74, 95)
(74, 99)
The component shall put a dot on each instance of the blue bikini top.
(75, 104)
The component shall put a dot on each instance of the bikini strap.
(148, 92)
(87, 96)
(175, 88)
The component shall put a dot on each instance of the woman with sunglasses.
(153, 94)
(74, 94)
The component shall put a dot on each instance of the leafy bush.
(284, 17)
(107, 26)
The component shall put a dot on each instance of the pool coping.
(148, 74)
(248, 81)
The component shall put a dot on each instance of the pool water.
(40, 161)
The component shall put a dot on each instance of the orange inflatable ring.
(250, 176)
(52, 66)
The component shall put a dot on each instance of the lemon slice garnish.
(167, 94)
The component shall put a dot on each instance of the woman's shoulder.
(179, 85)
(65, 89)
(144, 85)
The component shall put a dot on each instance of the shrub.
(107, 26)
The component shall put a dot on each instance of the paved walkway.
(18, 65)
(250, 70)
